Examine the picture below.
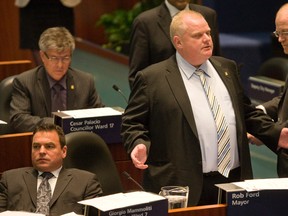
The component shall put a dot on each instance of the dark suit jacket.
(277, 108)
(72, 185)
(31, 99)
(159, 115)
(150, 37)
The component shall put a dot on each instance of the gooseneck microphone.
(133, 180)
(116, 88)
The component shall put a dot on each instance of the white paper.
(264, 184)
(19, 213)
(3, 122)
(71, 214)
(121, 200)
(94, 112)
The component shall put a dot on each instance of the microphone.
(116, 88)
(130, 178)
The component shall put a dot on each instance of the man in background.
(52, 86)
(35, 16)
(170, 129)
(150, 40)
(277, 108)
(21, 188)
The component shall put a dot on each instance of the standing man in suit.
(168, 127)
(150, 40)
(34, 95)
(67, 186)
(277, 108)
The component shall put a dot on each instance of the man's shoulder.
(150, 14)
(78, 172)
(18, 171)
(79, 74)
(30, 73)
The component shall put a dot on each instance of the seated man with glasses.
(52, 86)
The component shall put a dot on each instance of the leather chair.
(5, 98)
(88, 151)
(276, 68)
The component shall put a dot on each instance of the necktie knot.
(57, 87)
(47, 175)
(199, 72)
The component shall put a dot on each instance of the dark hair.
(51, 127)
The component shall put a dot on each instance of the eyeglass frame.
(281, 33)
(55, 59)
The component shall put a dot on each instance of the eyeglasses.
(282, 33)
(55, 59)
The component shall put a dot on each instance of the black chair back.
(276, 68)
(88, 151)
(5, 98)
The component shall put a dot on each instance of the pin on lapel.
(226, 73)
(72, 87)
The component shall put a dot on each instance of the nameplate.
(262, 89)
(106, 122)
(138, 203)
(265, 202)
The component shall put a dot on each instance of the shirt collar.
(52, 82)
(55, 172)
(187, 69)
(173, 10)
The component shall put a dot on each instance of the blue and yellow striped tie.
(223, 138)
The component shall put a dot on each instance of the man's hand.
(253, 140)
(283, 139)
(139, 156)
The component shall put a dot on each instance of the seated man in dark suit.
(150, 40)
(52, 86)
(21, 188)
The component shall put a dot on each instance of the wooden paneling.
(9, 68)
(209, 210)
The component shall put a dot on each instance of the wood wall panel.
(86, 16)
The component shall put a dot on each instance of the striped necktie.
(44, 194)
(223, 139)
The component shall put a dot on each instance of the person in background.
(37, 15)
(21, 188)
(277, 108)
(150, 41)
(168, 127)
(52, 86)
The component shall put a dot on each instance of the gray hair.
(56, 38)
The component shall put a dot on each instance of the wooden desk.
(208, 210)
(9, 68)
(15, 152)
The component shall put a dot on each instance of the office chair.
(6, 94)
(88, 151)
(276, 68)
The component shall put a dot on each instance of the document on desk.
(3, 122)
(19, 213)
(94, 112)
(121, 200)
(264, 184)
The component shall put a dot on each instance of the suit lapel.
(70, 90)
(164, 20)
(226, 76)
(179, 91)
(63, 180)
(43, 84)
(30, 179)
